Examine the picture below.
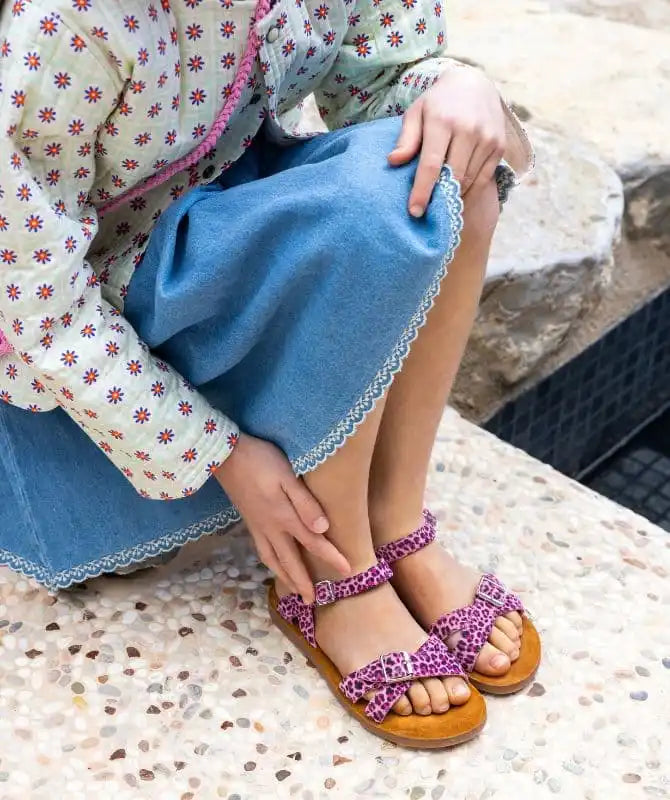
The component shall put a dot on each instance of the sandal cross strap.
(473, 624)
(467, 629)
(392, 674)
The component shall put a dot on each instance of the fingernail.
(499, 661)
(416, 211)
(320, 525)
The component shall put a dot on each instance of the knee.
(481, 211)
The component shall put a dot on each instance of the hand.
(279, 511)
(459, 120)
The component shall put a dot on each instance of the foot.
(430, 583)
(356, 631)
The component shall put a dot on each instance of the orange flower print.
(69, 358)
(142, 415)
(115, 395)
(166, 436)
(190, 455)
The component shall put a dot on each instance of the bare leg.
(431, 582)
(357, 630)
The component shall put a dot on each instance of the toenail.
(459, 691)
(499, 661)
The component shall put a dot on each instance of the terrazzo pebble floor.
(174, 685)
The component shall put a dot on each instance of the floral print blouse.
(110, 111)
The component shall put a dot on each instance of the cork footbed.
(522, 670)
(457, 725)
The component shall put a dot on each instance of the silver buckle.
(489, 599)
(409, 670)
(329, 590)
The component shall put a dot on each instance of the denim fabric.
(249, 288)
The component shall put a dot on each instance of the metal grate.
(639, 478)
(584, 410)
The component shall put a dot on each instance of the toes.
(491, 661)
(515, 617)
(437, 692)
(500, 640)
(508, 628)
(403, 706)
(457, 690)
(419, 698)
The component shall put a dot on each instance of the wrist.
(232, 459)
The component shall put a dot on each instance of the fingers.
(483, 163)
(409, 140)
(487, 172)
(306, 505)
(436, 140)
(462, 157)
(268, 557)
(290, 561)
(298, 525)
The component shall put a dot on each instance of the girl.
(208, 313)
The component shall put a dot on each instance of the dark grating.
(585, 409)
(638, 476)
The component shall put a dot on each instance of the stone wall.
(592, 80)
(586, 239)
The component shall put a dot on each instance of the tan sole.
(436, 731)
(521, 672)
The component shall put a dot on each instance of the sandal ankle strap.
(294, 609)
(327, 592)
(416, 540)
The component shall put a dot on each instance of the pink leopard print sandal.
(473, 623)
(388, 676)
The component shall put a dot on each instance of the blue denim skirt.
(289, 292)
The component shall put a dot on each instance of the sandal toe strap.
(391, 675)
(469, 627)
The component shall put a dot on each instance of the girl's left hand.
(460, 121)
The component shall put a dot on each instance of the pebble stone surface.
(174, 685)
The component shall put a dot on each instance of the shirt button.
(208, 172)
(272, 35)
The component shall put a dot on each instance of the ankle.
(359, 562)
(389, 523)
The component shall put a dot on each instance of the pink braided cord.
(220, 123)
(471, 626)
(392, 674)
(5, 346)
(416, 540)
